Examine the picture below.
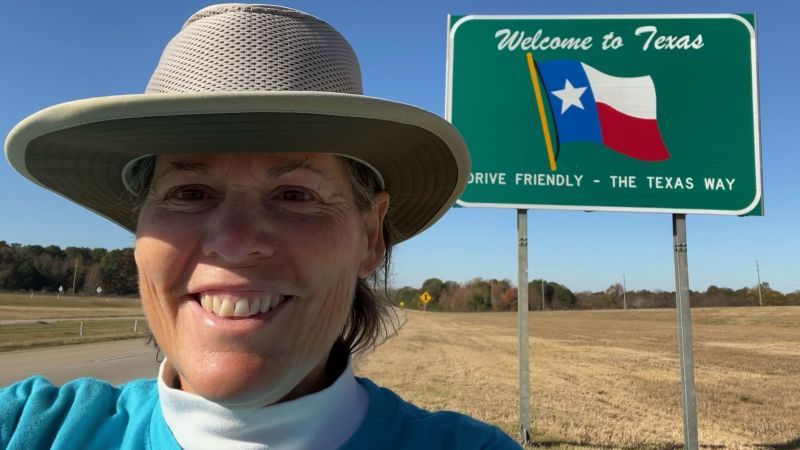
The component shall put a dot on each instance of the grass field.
(57, 320)
(606, 379)
(25, 307)
(599, 379)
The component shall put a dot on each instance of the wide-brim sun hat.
(245, 78)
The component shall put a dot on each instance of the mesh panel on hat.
(233, 49)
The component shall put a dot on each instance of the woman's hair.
(372, 317)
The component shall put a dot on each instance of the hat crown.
(242, 47)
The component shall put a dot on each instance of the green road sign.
(653, 113)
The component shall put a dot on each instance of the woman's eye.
(295, 195)
(187, 193)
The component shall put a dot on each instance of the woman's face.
(247, 269)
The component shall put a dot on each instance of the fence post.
(135, 325)
(81, 329)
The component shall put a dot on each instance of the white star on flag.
(570, 96)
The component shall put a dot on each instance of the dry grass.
(54, 327)
(606, 379)
(599, 379)
(23, 307)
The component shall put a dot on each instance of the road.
(114, 361)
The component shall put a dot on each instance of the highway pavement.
(114, 361)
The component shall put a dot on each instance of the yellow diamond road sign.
(425, 297)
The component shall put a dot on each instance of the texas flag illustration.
(617, 112)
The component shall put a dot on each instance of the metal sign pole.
(522, 328)
(688, 397)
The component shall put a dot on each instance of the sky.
(54, 51)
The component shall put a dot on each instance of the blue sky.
(57, 51)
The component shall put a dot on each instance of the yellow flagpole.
(542, 117)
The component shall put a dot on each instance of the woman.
(265, 194)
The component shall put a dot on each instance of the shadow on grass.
(788, 445)
(793, 444)
(558, 444)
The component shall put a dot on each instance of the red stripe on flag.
(631, 136)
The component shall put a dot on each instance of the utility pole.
(491, 293)
(624, 293)
(542, 293)
(75, 276)
(758, 274)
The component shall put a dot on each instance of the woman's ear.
(373, 225)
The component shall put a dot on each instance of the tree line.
(499, 295)
(45, 269)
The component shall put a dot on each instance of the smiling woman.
(265, 192)
(237, 230)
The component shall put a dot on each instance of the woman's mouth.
(235, 306)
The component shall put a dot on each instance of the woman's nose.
(239, 232)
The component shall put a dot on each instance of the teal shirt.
(92, 414)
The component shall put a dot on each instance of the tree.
(770, 296)
(556, 296)
(478, 295)
(25, 276)
(615, 292)
(562, 298)
(434, 287)
(508, 300)
(408, 295)
(91, 281)
(118, 272)
(453, 298)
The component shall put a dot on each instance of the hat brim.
(79, 149)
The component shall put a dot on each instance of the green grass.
(25, 307)
(40, 334)
(65, 301)
(64, 315)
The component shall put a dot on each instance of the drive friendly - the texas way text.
(615, 181)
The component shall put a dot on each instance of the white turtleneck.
(322, 420)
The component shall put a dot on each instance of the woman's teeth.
(230, 306)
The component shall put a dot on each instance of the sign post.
(633, 113)
(522, 328)
(682, 305)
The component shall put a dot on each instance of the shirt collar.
(322, 420)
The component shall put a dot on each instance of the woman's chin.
(237, 395)
(238, 389)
